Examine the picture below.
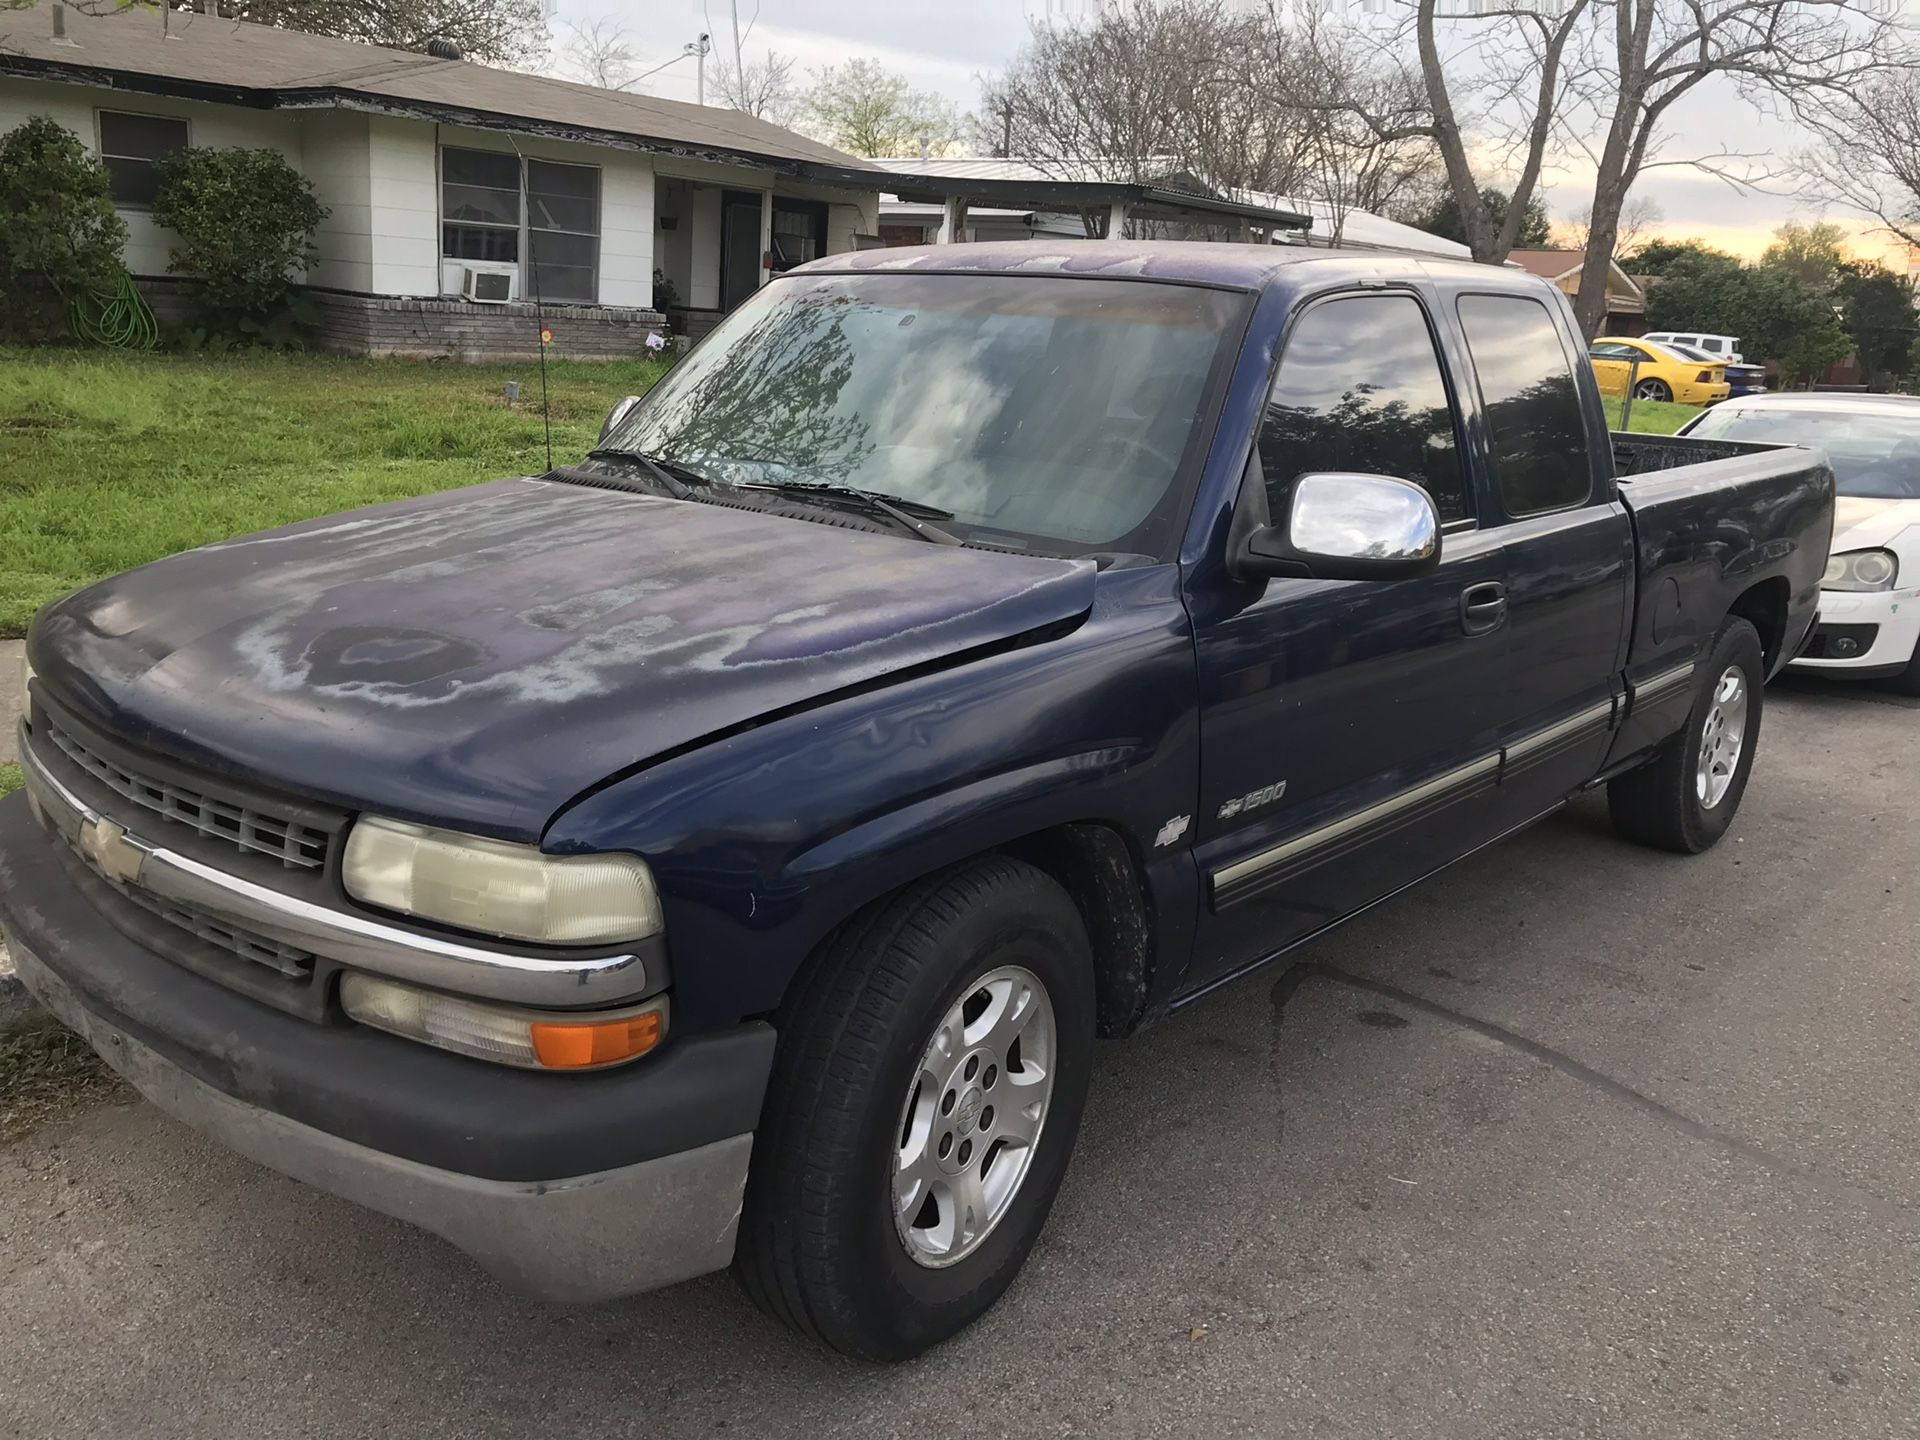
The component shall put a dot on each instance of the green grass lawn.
(1653, 417)
(10, 777)
(108, 461)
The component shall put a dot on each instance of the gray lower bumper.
(587, 1237)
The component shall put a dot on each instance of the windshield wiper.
(678, 479)
(913, 514)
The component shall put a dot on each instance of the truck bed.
(1719, 527)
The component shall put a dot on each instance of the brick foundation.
(460, 330)
(422, 329)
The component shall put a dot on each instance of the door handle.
(1483, 607)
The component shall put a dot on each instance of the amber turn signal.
(562, 1046)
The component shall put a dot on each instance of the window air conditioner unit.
(488, 287)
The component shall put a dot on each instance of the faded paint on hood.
(479, 657)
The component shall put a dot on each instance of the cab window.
(1360, 389)
(1532, 404)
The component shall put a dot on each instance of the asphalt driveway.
(1576, 1140)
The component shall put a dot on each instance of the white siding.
(76, 106)
(403, 195)
(333, 156)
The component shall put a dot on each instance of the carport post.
(953, 220)
(1116, 220)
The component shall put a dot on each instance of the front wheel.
(1652, 390)
(925, 1098)
(1686, 796)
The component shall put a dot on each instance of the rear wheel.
(1686, 796)
(1652, 390)
(924, 1103)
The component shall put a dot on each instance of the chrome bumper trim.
(363, 943)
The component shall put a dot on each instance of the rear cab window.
(1541, 460)
(1360, 389)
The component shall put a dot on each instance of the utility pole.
(1006, 129)
(698, 49)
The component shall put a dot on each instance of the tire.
(1660, 803)
(1652, 390)
(1907, 682)
(820, 1246)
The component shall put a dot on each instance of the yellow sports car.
(1663, 374)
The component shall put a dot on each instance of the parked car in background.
(1742, 379)
(726, 849)
(1719, 347)
(1870, 596)
(1662, 374)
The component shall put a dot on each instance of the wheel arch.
(1104, 877)
(1764, 605)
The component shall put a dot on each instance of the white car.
(1725, 348)
(1870, 597)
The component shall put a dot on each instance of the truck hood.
(479, 657)
(1863, 523)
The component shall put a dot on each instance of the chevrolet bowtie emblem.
(106, 844)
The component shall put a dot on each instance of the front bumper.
(1894, 620)
(566, 1187)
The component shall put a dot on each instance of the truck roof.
(1192, 261)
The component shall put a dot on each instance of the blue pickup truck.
(728, 849)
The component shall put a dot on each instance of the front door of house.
(739, 247)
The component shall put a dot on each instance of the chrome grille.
(293, 963)
(261, 832)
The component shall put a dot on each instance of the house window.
(497, 209)
(799, 233)
(563, 230)
(480, 206)
(132, 146)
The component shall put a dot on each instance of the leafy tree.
(865, 108)
(497, 32)
(60, 236)
(1877, 312)
(1811, 254)
(245, 219)
(1446, 221)
(1658, 257)
(1776, 315)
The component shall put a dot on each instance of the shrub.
(245, 219)
(59, 234)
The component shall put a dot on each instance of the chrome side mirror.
(614, 416)
(1343, 526)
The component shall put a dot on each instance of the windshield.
(1040, 412)
(1876, 456)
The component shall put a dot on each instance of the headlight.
(26, 686)
(532, 1039)
(1861, 570)
(496, 888)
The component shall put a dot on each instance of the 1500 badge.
(1253, 799)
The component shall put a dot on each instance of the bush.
(245, 219)
(59, 234)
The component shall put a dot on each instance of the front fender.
(762, 842)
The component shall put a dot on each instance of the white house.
(447, 180)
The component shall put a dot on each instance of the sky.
(950, 46)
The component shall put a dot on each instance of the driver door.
(1348, 725)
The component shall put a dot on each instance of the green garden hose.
(119, 317)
